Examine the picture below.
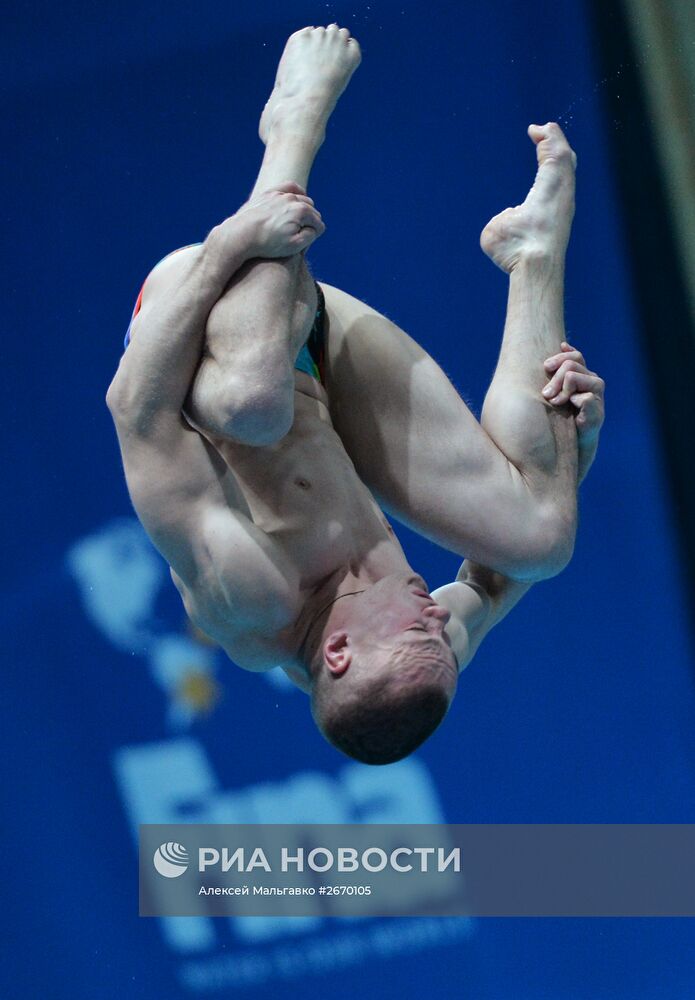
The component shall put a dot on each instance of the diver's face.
(400, 610)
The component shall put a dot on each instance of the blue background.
(131, 131)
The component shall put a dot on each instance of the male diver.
(263, 418)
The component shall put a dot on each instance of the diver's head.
(384, 674)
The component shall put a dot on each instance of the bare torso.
(305, 495)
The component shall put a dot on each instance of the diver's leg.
(257, 328)
(503, 493)
(529, 242)
(314, 70)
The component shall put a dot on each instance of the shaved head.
(385, 706)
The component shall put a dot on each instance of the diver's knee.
(256, 415)
(249, 407)
(259, 421)
(548, 546)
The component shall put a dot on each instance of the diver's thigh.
(413, 440)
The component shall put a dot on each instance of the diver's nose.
(437, 612)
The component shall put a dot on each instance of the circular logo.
(171, 860)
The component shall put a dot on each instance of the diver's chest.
(307, 474)
(310, 500)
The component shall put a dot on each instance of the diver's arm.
(478, 599)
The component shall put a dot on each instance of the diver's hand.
(571, 382)
(280, 223)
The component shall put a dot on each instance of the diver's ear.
(337, 652)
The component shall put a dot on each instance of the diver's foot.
(538, 229)
(314, 70)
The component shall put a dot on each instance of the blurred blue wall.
(132, 130)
